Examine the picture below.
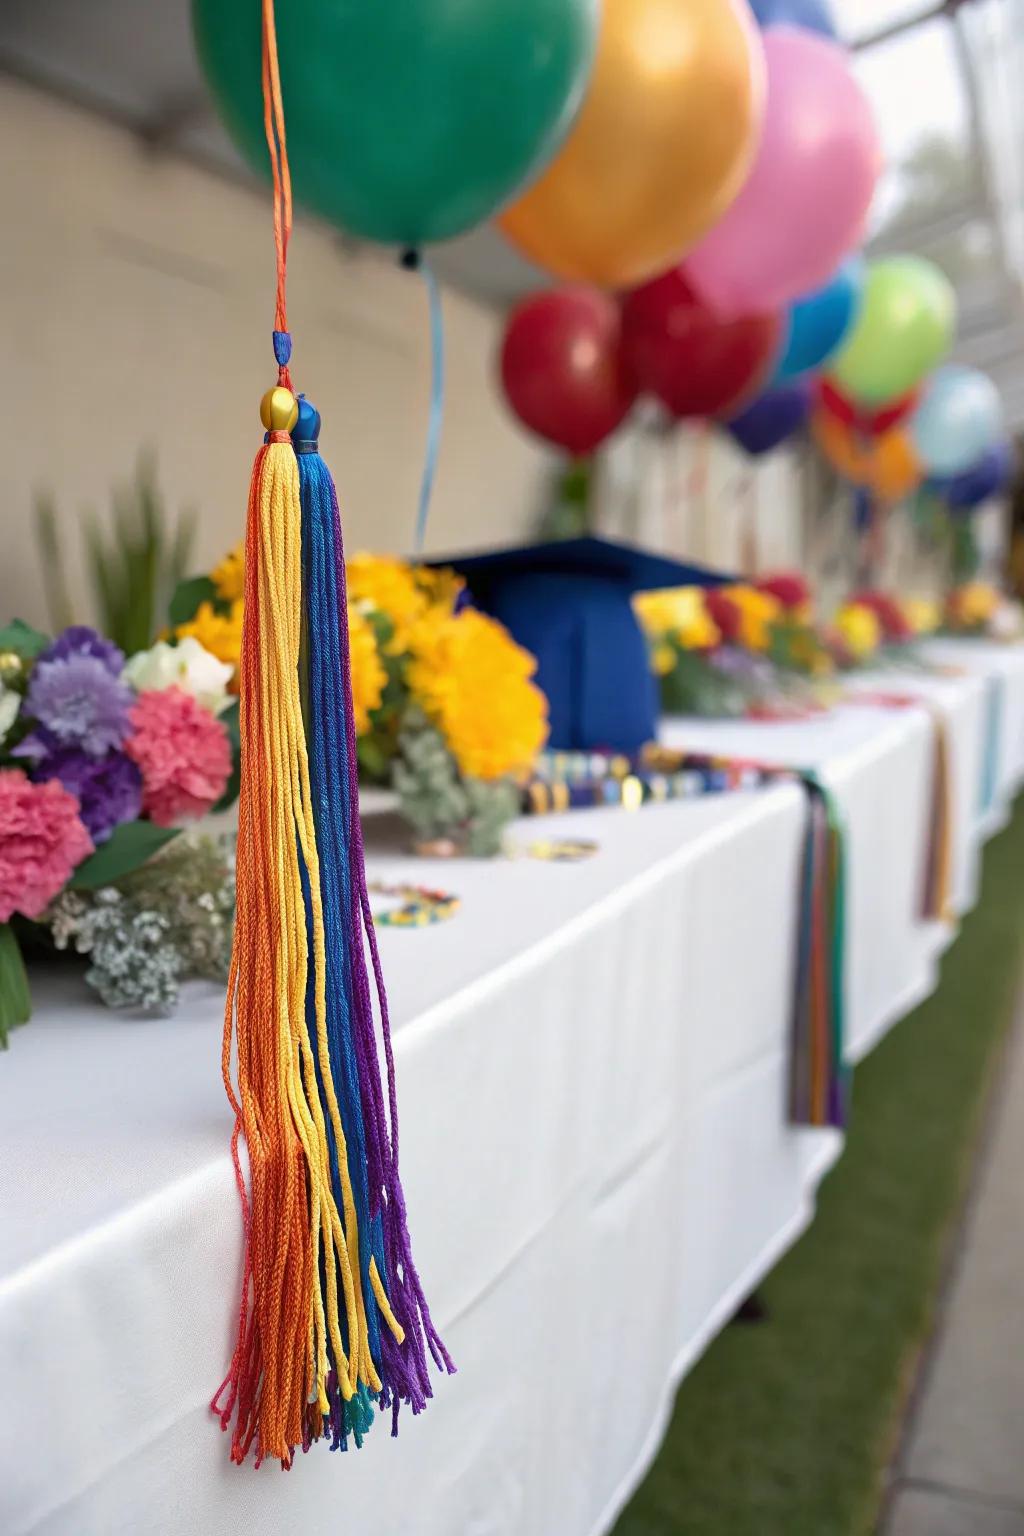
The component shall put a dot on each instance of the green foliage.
(127, 848)
(568, 516)
(187, 597)
(137, 562)
(229, 720)
(694, 687)
(21, 639)
(15, 999)
(784, 1429)
(438, 803)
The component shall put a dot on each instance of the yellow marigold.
(973, 604)
(220, 633)
(368, 674)
(859, 629)
(229, 576)
(390, 586)
(680, 614)
(759, 611)
(473, 682)
(922, 614)
(440, 585)
(663, 659)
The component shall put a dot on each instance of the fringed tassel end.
(819, 1082)
(936, 902)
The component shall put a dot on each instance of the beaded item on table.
(564, 781)
(421, 906)
(332, 1318)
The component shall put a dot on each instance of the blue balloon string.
(436, 403)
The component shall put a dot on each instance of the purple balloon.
(991, 474)
(773, 417)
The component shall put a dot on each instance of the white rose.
(10, 703)
(187, 665)
(1007, 623)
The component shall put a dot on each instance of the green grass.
(784, 1428)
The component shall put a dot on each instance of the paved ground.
(960, 1471)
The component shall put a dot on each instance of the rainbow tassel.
(936, 899)
(332, 1317)
(332, 1314)
(819, 1078)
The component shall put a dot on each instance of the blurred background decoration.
(141, 259)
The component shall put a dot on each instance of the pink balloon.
(805, 203)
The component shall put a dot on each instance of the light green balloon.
(904, 330)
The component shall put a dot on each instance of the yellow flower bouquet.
(445, 707)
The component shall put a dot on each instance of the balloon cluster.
(699, 171)
(716, 180)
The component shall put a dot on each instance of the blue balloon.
(959, 417)
(813, 15)
(991, 474)
(773, 417)
(819, 322)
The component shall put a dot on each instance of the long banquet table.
(592, 1064)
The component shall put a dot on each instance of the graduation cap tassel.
(326, 1243)
(818, 1074)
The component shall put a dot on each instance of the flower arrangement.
(734, 650)
(101, 761)
(980, 609)
(446, 710)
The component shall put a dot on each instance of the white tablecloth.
(879, 764)
(963, 704)
(592, 1069)
(598, 1169)
(1003, 668)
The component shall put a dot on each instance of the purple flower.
(80, 640)
(108, 788)
(78, 702)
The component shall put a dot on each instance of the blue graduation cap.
(569, 603)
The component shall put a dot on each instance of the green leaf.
(229, 720)
(129, 846)
(23, 640)
(187, 597)
(15, 998)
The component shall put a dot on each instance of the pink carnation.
(41, 840)
(183, 752)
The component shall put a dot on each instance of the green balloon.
(407, 120)
(905, 328)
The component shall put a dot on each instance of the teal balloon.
(959, 418)
(407, 120)
(819, 322)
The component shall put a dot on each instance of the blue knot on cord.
(282, 348)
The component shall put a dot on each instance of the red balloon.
(869, 423)
(696, 364)
(561, 366)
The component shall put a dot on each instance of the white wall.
(137, 298)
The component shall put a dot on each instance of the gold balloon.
(662, 145)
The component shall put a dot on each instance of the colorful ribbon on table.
(819, 1083)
